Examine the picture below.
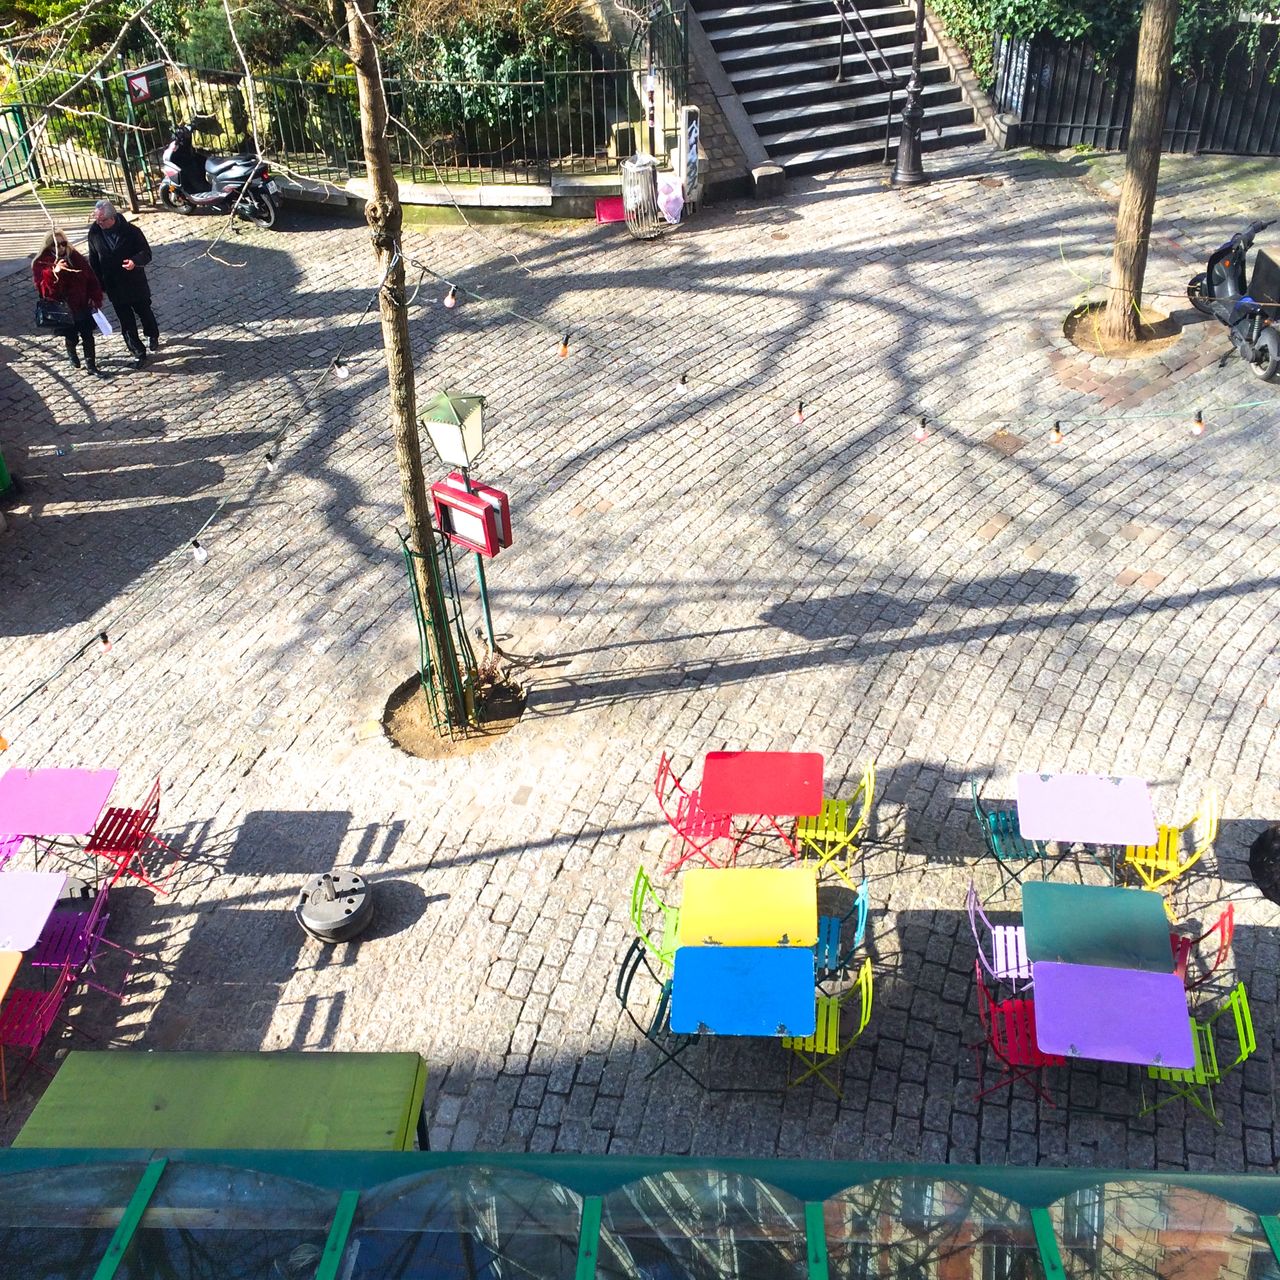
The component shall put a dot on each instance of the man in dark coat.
(118, 253)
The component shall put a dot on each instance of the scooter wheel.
(260, 209)
(1196, 294)
(1266, 355)
(173, 201)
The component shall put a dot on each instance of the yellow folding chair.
(824, 1049)
(830, 834)
(1163, 862)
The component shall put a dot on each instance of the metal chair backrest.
(863, 990)
(973, 906)
(642, 893)
(1205, 824)
(1246, 1041)
(666, 785)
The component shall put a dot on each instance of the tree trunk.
(383, 214)
(1141, 170)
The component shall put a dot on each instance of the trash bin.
(640, 197)
(6, 480)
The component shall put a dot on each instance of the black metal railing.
(883, 73)
(1063, 95)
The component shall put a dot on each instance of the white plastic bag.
(670, 197)
(104, 325)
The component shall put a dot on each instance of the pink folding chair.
(26, 1018)
(1183, 947)
(122, 834)
(696, 829)
(75, 937)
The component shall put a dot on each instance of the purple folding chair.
(26, 1017)
(75, 937)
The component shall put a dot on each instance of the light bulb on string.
(922, 428)
(798, 416)
(104, 642)
(564, 345)
(451, 298)
(340, 369)
(271, 459)
(683, 385)
(198, 553)
(1197, 423)
(1055, 436)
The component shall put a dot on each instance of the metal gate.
(16, 164)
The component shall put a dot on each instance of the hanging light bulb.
(198, 553)
(1055, 436)
(683, 385)
(451, 298)
(564, 344)
(1197, 423)
(271, 459)
(922, 428)
(798, 416)
(340, 369)
(104, 642)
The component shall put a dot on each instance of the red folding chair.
(1010, 1030)
(122, 834)
(695, 829)
(1183, 947)
(26, 1017)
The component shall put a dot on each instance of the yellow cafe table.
(749, 907)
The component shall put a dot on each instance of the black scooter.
(1220, 292)
(195, 180)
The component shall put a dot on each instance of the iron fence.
(1063, 95)
(583, 112)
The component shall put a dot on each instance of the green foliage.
(1206, 35)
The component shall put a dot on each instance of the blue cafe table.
(743, 991)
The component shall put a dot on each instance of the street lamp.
(909, 172)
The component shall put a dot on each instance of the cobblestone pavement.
(696, 571)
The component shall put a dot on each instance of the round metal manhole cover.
(335, 906)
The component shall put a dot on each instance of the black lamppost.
(909, 172)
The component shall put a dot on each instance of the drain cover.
(335, 906)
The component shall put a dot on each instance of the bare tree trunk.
(383, 214)
(1141, 170)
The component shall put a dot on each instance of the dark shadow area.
(397, 905)
(274, 841)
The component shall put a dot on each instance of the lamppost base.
(902, 177)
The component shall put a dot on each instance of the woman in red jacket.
(61, 274)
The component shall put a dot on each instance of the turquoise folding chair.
(1004, 841)
(833, 958)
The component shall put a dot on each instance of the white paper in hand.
(104, 325)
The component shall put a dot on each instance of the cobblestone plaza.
(693, 569)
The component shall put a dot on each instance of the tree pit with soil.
(1083, 329)
(408, 722)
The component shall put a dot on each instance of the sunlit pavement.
(696, 570)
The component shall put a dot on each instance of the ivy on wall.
(1206, 33)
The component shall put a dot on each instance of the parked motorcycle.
(195, 180)
(1220, 292)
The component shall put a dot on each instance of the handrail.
(892, 82)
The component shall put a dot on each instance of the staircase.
(781, 58)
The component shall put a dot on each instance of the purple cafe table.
(53, 802)
(1085, 808)
(27, 900)
(1112, 1015)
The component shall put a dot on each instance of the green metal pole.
(484, 586)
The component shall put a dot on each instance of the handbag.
(53, 314)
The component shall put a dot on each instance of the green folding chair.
(835, 833)
(1004, 841)
(661, 944)
(1195, 1084)
(824, 1050)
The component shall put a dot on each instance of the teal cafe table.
(1096, 925)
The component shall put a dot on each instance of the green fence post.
(122, 154)
(588, 1239)
(129, 1220)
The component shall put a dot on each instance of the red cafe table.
(763, 786)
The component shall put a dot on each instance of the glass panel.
(1153, 1232)
(701, 1224)
(206, 1222)
(470, 1223)
(57, 1223)
(921, 1227)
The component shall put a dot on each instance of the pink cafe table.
(27, 900)
(1085, 808)
(53, 802)
(1112, 1015)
